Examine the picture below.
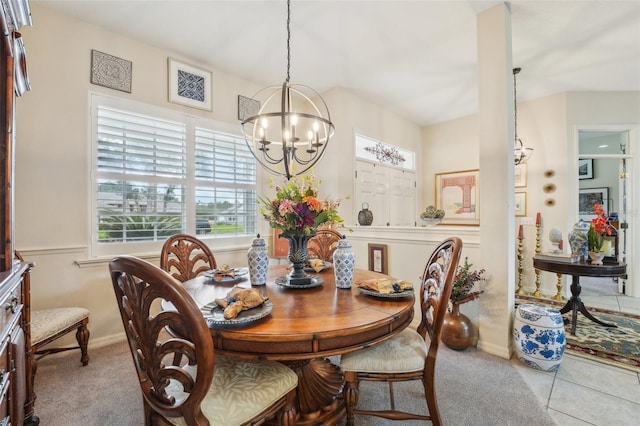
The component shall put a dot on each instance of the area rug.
(618, 346)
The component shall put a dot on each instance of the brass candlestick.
(538, 250)
(520, 290)
(558, 295)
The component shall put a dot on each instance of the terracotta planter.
(458, 332)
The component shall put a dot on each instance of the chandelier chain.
(515, 103)
(288, 37)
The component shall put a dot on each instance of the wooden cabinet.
(16, 359)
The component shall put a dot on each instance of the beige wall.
(53, 157)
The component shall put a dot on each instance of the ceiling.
(417, 58)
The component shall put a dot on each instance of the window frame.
(102, 249)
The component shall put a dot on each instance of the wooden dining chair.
(323, 244)
(205, 388)
(408, 356)
(48, 325)
(185, 256)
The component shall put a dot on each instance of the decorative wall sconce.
(521, 152)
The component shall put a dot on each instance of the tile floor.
(585, 392)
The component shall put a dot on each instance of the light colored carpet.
(474, 388)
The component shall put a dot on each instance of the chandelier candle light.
(290, 132)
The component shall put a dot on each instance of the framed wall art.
(520, 175)
(378, 258)
(189, 85)
(585, 168)
(587, 197)
(521, 203)
(457, 194)
(247, 107)
(110, 71)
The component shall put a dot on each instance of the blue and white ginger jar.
(539, 336)
(578, 239)
(258, 261)
(343, 264)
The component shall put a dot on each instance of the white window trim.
(101, 250)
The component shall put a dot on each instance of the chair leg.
(351, 394)
(430, 393)
(82, 336)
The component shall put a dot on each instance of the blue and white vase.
(343, 264)
(578, 239)
(258, 261)
(539, 336)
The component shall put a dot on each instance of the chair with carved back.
(48, 325)
(185, 256)
(408, 355)
(205, 388)
(323, 244)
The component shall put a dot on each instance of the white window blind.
(141, 176)
(225, 174)
(155, 173)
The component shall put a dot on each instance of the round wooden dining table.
(304, 327)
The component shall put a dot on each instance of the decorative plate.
(315, 282)
(404, 293)
(240, 275)
(214, 315)
(308, 268)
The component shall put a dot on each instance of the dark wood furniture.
(576, 270)
(48, 325)
(185, 256)
(306, 326)
(323, 244)
(16, 359)
(409, 355)
(179, 374)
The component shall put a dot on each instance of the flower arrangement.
(297, 208)
(432, 213)
(598, 229)
(464, 282)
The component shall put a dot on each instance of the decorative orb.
(555, 236)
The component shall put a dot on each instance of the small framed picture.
(585, 168)
(110, 71)
(520, 175)
(189, 85)
(378, 258)
(247, 107)
(521, 203)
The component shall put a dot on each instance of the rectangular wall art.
(378, 258)
(587, 197)
(521, 203)
(189, 85)
(457, 195)
(110, 71)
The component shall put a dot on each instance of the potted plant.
(432, 216)
(457, 330)
(599, 228)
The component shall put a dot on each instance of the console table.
(577, 270)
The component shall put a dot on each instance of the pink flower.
(286, 207)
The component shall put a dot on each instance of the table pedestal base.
(575, 305)
(320, 399)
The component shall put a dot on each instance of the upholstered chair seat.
(406, 352)
(240, 390)
(49, 324)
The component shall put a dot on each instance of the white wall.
(53, 156)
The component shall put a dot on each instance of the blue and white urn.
(539, 336)
(343, 264)
(258, 261)
(578, 239)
